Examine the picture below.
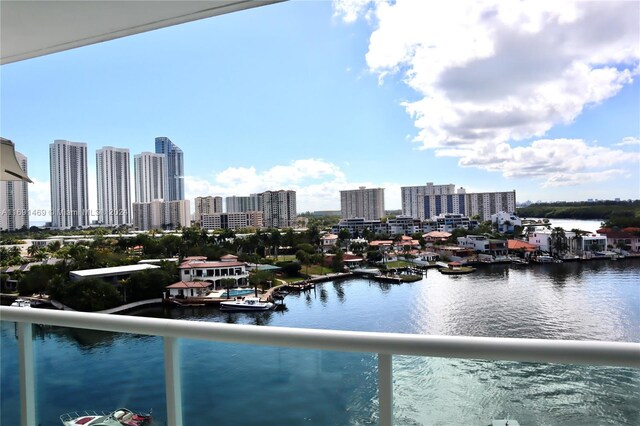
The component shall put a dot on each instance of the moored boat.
(456, 268)
(119, 417)
(21, 303)
(246, 304)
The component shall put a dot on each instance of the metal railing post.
(27, 381)
(385, 389)
(173, 385)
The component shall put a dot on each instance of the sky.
(315, 96)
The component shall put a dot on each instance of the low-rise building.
(626, 239)
(183, 289)
(328, 242)
(111, 274)
(449, 222)
(238, 220)
(505, 222)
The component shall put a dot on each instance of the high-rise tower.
(174, 163)
(14, 199)
(69, 184)
(114, 186)
(150, 177)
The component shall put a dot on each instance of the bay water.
(230, 384)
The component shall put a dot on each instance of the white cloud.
(39, 201)
(629, 140)
(491, 73)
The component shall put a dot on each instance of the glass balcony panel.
(232, 384)
(429, 391)
(77, 370)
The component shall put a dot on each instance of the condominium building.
(413, 198)
(178, 213)
(114, 186)
(238, 220)
(207, 205)
(69, 184)
(484, 204)
(14, 199)
(236, 204)
(150, 177)
(367, 203)
(278, 208)
(159, 214)
(174, 164)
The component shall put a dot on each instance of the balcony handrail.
(620, 354)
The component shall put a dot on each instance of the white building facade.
(150, 177)
(113, 177)
(14, 199)
(69, 184)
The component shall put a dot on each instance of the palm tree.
(558, 241)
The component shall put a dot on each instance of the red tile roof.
(518, 245)
(211, 264)
(190, 284)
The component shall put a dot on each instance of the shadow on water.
(339, 289)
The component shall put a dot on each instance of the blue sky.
(320, 96)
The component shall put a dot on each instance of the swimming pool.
(236, 292)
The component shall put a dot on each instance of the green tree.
(337, 263)
(304, 258)
(229, 283)
(36, 280)
(90, 294)
(149, 284)
(558, 242)
(260, 279)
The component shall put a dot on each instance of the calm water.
(227, 384)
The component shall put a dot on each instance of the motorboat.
(505, 422)
(119, 417)
(456, 268)
(246, 304)
(21, 303)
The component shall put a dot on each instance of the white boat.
(21, 303)
(505, 422)
(245, 304)
(120, 417)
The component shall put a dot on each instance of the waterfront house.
(626, 239)
(199, 268)
(484, 245)
(505, 222)
(436, 236)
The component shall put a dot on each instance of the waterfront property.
(190, 372)
(199, 268)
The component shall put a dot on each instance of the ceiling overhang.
(29, 29)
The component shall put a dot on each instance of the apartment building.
(150, 177)
(278, 208)
(206, 205)
(367, 203)
(69, 184)
(14, 199)
(413, 198)
(113, 177)
(238, 220)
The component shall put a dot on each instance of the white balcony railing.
(385, 345)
